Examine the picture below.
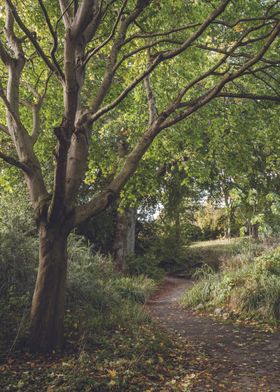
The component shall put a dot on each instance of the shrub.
(18, 262)
(136, 288)
(249, 288)
(147, 265)
(97, 299)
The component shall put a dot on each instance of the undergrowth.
(247, 286)
(111, 342)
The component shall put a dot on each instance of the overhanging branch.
(254, 97)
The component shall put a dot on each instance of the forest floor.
(242, 358)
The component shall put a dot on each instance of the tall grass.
(98, 300)
(247, 286)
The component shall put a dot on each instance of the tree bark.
(124, 241)
(47, 311)
(131, 217)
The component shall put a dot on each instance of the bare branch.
(272, 17)
(145, 47)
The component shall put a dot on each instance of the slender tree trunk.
(124, 241)
(255, 231)
(47, 312)
(119, 245)
(131, 217)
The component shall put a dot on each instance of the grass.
(215, 253)
(247, 285)
(223, 244)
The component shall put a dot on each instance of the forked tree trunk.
(47, 311)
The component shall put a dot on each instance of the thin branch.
(54, 36)
(160, 34)
(65, 14)
(4, 129)
(112, 60)
(254, 97)
(246, 20)
(265, 82)
(145, 47)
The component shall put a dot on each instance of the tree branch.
(55, 41)
(91, 53)
(14, 162)
(4, 55)
(213, 92)
(4, 129)
(65, 13)
(254, 97)
(32, 39)
(159, 59)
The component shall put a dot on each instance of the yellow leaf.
(112, 373)
(238, 28)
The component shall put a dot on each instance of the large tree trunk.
(47, 312)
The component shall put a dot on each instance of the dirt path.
(242, 358)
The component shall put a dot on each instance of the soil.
(242, 358)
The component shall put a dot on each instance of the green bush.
(98, 300)
(248, 288)
(147, 265)
(135, 288)
(18, 262)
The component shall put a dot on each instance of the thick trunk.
(47, 312)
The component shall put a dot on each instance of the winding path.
(242, 358)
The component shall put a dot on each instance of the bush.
(249, 288)
(97, 299)
(135, 288)
(18, 262)
(147, 265)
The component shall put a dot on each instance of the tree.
(96, 58)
